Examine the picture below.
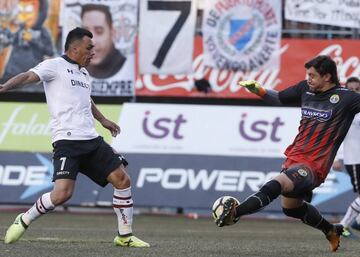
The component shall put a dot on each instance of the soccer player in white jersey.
(77, 146)
(351, 161)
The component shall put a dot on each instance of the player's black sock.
(259, 200)
(310, 216)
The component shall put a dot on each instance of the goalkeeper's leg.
(267, 193)
(305, 181)
(295, 179)
(256, 202)
(309, 215)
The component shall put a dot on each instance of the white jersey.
(67, 89)
(351, 146)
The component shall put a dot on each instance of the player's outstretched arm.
(20, 80)
(108, 124)
(269, 96)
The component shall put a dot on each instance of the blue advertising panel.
(195, 181)
(166, 180)
(26, 176)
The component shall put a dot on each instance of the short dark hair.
(98, 7)
(352, 79)
(323, 64)
(76, 34)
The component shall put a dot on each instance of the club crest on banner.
(242, 35)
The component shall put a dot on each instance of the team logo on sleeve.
(302, 172)
(334, 99)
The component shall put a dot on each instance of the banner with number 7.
(166, 36)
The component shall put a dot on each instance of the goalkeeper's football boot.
(16, 230)
(129, 241)
(334, 236)
(227, 217)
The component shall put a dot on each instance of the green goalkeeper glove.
(253, 86)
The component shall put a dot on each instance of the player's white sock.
(123, 207)
(42, 206)
(351, 213)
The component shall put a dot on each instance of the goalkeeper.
(327, 113)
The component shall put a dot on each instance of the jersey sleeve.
(46, 70)
(292, 95)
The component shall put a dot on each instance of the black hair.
(323, 64)
(352, 79)
(76, 34)
(98, 7)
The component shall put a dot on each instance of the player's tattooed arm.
(20, 80)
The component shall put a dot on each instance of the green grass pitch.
(90, 235)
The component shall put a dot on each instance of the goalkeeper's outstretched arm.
(270, 96)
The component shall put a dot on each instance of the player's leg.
(122, 200)
(354, 209)
(309, 215)
(255, 202)
(62, 191)
(294, 205)
(123, 207)
(65, 172)
(350, 215)
(356, 223)
(47, 202)
(105, 166)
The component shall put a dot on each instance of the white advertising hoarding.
(206, 130)
(336, 12)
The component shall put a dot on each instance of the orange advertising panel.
(223, 83)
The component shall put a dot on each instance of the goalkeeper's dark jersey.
(325, 119)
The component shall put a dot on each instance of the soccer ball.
(218, 208)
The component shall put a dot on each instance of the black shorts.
(94, 158)
(304, 182)
(354, 173)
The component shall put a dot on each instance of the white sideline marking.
(48, 238)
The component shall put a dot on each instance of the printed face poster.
(113, 24)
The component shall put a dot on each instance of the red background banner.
(293, 55)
